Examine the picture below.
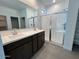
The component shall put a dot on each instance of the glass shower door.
(57, 28)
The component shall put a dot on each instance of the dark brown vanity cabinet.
(38, 41)
(23, 52)
(35, 44)
(24, 48)
(41, 39)
(19, 50)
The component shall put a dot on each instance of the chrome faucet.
(14, 32)
(34, 25)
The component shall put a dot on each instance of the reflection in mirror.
(22, 22)
(3, 23)
(14, 22)
(22, 11)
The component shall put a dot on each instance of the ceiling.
(20, 4)
(15, 4)
(41, 3)
(32, 3)
(48, 3)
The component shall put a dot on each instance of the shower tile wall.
(76, 38)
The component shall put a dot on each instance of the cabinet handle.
(7, 56)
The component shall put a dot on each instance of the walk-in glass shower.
(53, 24)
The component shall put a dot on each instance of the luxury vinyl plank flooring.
(50, 51)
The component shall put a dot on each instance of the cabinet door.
(39, 42)
(27, 51)
(34, 44)
(16, 53)
(23, 52)
(41, 39)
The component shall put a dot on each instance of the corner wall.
(71, 24)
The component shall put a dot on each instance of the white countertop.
(12, 38)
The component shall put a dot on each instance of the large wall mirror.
(15, 15)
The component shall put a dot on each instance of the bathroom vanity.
(24, 46)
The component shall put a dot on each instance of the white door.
(57, 28)
(45, 22)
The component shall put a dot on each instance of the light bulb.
(54, 1)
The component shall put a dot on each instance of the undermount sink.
(21, 34)
(15, 36)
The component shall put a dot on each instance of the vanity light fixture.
(54, 1)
